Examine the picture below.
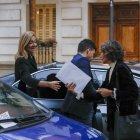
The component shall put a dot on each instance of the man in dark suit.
(119, 80)
(80, 108)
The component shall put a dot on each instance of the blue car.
(23, 118)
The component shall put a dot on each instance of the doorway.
(126, 26)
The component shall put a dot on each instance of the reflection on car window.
(137, 79)
(100, 74)
(15, 104)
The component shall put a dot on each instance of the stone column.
(32, 12)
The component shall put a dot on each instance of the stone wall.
(12, 24)
(72, 26)
(6, 69)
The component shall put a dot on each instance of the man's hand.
(70, 87)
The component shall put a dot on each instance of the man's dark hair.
(86, 44)
(113, 51)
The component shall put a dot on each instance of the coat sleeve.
(128, 89)
(90, 93)
(105, 83)
(24, 73)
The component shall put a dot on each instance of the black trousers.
(111, 135)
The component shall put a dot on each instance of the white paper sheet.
(7, 124)
(71, 73)
(4, 115)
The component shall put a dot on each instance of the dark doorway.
(126, 26)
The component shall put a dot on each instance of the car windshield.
(17, 107)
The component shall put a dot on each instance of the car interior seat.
(49, 93)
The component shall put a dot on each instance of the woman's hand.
(104, 92)
(55, 85)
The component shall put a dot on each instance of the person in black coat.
(120, 82)
(25, 64)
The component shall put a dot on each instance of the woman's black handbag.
(126, 127)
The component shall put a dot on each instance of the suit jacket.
(82, 107)
(23, 69)
(127, 92)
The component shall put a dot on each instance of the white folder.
(70, 73)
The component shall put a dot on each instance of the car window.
(137, 79)
(43, 74)
(100, 75)
(9, 79)
(44, 92)
(15, 105)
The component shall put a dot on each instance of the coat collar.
(32, 61)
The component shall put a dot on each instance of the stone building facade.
(72, 25)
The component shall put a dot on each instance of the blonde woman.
(25, 64)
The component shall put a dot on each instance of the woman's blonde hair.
(23, 42)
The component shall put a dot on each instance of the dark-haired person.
(119, 74)
(81, 108)
(25, 64)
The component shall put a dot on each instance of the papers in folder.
(70, 73)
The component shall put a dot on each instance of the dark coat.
(23, 69)
(127, 92)
(83, 107)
